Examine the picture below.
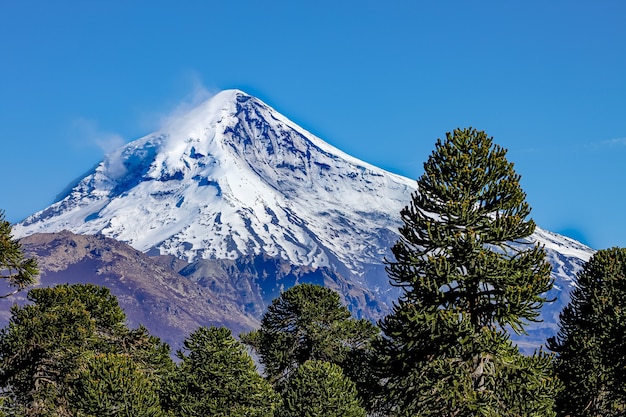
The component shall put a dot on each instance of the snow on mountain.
(234, 178)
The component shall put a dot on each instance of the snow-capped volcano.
(235, 178)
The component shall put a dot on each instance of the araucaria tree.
(216, 377)
(467, 272)
(590, 346)
(308, 322)
(319, 388)
(15, 270)
(112, 385)
(70, 352)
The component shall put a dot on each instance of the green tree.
(319, 388)
(42, 347)
(112, 385)
(309, 322)
(467, 272)
(217, 377)
(15, 270)
(590, 345)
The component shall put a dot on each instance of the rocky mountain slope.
(167, 295)
(233, 180)
(149, 289)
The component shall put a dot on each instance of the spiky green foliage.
(112, 385)
(309, 322)
(457, 233)
(319, 388)
(590, 345)
(466, 275)
(45, 342)
(217, 377)
(509, 384)
(15, 270)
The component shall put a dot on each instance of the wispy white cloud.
(194, 92)
(197, 94)
(88, 132)
(603, 144)
(614, 142)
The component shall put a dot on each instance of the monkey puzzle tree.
(217, 377)
(309, 322)
(15, 270)
(467, 271)
(319, 388)
(112, 385)
(45, 344)
(590, 345)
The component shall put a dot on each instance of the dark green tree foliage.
(466, 275)
(309, 322)
(217, 377)
(319, 388)
(512, 384)
(590, 345)
(15, 270)
(111, 385)
(45, 342)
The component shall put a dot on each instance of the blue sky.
(379, 80)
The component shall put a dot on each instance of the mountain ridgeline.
(242, 202)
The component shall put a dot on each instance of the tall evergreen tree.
(43, 347)
(309, 322)
(319, 388)
(217, 377)
(591, 343)
(467, 272)
(15, 270)
(113, 385)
